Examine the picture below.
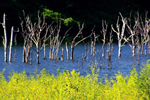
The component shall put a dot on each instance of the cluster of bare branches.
(39, 34)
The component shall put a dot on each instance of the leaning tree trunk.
(11, 40)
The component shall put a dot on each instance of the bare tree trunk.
(62, 55)
(120, 34)
(94, 52)
(50, 52)
(5, 38)
(91, 48)
(103, 54)
(15, 39)
(138, 51)
(11, 41)
(53, 51)
(73, 44)
(145, 49)
(27, 54)
(67, 52)
(23, 57)
(141, 47)
(44, 50)
(119, 50)
(37, 51)
(31, 58)
(149, 47)
(82, 61)
(72, 51)
(104, 31)
(85, 54)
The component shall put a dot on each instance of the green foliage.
(56, 15)
(73, 86)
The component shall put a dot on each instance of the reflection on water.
(123, 65)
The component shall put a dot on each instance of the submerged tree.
(74, 43)
(5, 37)
(104, 31)
(120, 33)
(34, 31)
(145, 29)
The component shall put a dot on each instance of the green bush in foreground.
(70, 86)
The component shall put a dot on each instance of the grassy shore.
(72, 86)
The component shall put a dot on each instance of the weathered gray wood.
(11, 41)
(5, 37)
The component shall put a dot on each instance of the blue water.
(124, 65)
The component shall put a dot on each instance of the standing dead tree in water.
(74, 43)
(35, 31)
(45, 38)
(137, 40)
(58, 40)
(93, 43)
(109, 50)
(120, 33)
(104, 31)
(132, 33)
(51, 30)
(145, 28)
(11, 41)
(67, 51)
(15, 40)
(27, 41)
(5, 37)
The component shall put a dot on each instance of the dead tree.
(62, 55)
(11, 41)
(25, 35)
(5, 37)
(93, 43)
(109, 60)
(74, 43)
(15, 39)
(28, 48)
(91, 48)
(145, 27)
(138, 44)
(52, 30)
(137, 40)
(58, 39)
(45, 38)
(109, 50)
(120, 34)
(132, 33)
(67, 52)
(35, 31)
(110, 41)
(31, 58)
(85, 52)
(104, 31)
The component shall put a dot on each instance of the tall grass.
(72, 86)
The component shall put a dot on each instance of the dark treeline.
(91, 12)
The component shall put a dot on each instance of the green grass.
(72, 86)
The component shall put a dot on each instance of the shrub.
(71, 85)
